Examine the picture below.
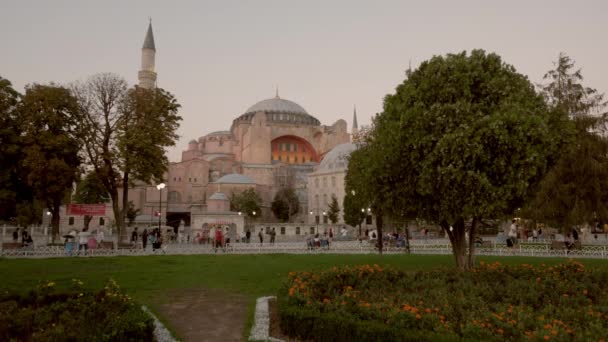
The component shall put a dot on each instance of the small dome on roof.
(193, 142)
(235, 178)
(337, 158)
(219, 196)
(219, 133)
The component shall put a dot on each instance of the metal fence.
(431, 247)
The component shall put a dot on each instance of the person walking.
(219, 239)
(83, 240)
(261, 236)
(273, 235)
(248, 235)
(16, 235)
(144, 239)
(134, 236)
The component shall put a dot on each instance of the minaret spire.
(355, 125)
(277, 92)
(147, 75)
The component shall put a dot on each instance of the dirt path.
(205, 315)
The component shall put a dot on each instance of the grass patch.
(146, 278)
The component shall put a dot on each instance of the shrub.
(48, 314)
(492, 302)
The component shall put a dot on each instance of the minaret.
(147, 75)
(355, 126)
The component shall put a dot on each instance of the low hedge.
(49, 314)
(490, 303)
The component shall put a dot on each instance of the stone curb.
(261, 326)
(160, 332)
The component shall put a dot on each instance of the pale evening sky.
(220, 57)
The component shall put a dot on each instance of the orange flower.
(585, 292)
(325, 300)
(418, 316)
(500, 331)
(554, 332)
(547, 337)
(427, 310)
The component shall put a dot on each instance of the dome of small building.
(337, 158)
(219, 133)
(280, 110)
(235, 178)
(193, 142)
(220, 196)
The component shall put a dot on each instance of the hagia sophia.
(272, 144)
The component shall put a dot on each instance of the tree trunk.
(116, 208)
(471, 257)
(87, 221)
(379, 229)
(125, 202)
(457, 239)
(55, 218)
(407, 238)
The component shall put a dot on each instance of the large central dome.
(277, 105)
(281, 111)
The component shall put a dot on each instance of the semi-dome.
(280, 110)
(235, 178)
(337, 158)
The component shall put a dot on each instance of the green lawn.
(146, 278)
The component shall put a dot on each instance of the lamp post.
(366, 214)
(316, 219)
(160, 188)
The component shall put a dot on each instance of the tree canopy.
(247, 202)
(125, 133)
(464, 137)
(285, 204)
(49, 116)
(575, 190)
(333, 212)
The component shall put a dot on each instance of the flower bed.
(49, 314)
(492, 302)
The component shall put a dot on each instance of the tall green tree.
(333, 212)
(463, 138)
(11, 184)
(125, 133)
(49, 117)
(352, 213)
(247, 202)
(285, 204)
(575, 190)
(565, 90)
(90, 190)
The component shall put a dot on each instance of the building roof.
(235, 178)
(337, 158)
(280, 110)
(277, 105)
(219, 196)
(149, 41)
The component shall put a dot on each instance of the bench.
(11, 245)
(561, 245)
(105, 245)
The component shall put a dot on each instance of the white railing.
(436, 246)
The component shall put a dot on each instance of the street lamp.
(160, 188)
(316, 220)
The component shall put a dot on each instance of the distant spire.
(149, 41)
(355, 126)
(277, 92)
